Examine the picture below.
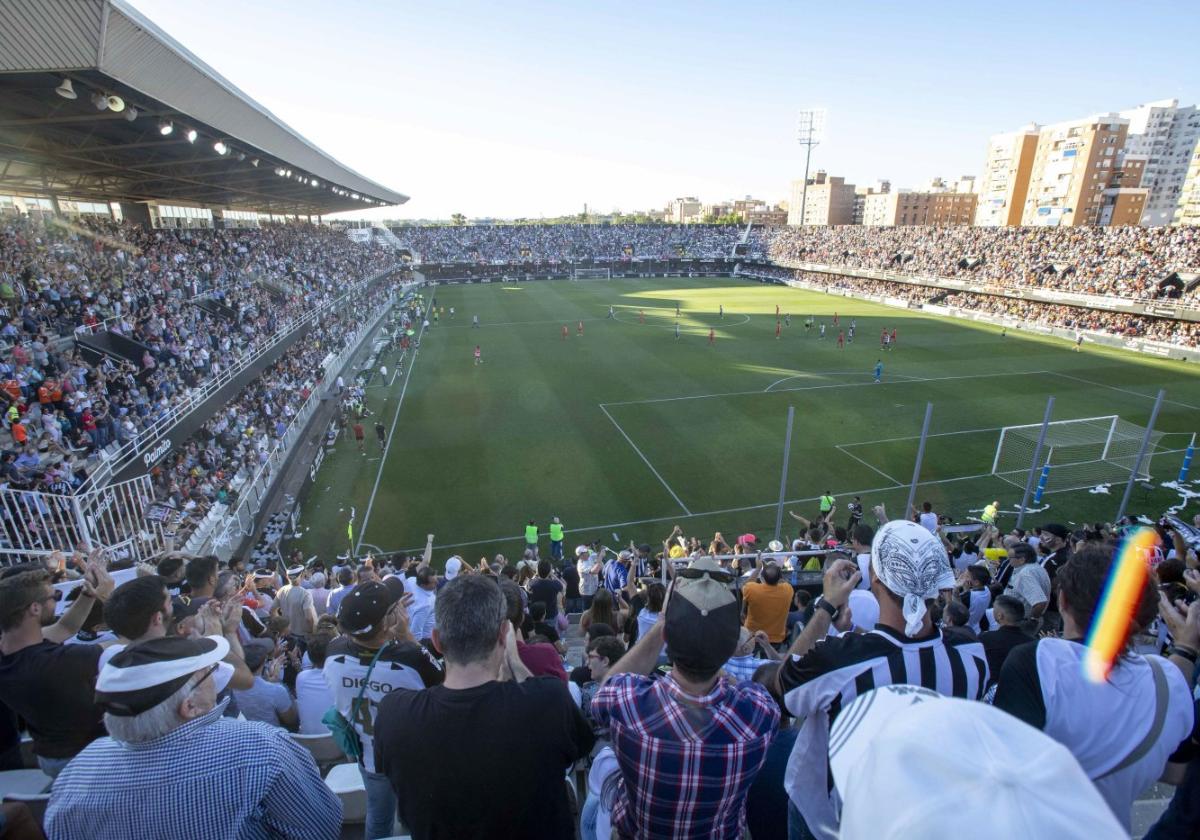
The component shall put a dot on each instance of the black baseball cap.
(363, 610)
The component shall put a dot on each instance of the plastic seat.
(346, 782)
(24, 782)
(324, 749)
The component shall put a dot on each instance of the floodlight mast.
(809, 127)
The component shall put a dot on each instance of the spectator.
(423, 588)
(1009, 613)
(767, 801)
(649, 614)
(1029, 583)
(295, 603)
(909, 568)
(588, 566)
(603, 610)
(49, 685)
(765, 604)
(955, 618)
(547, 589)
(694, 782)
(345, 581)
(267, 700)
(996, 774)
(489, 720)
(972, 589)
(743, 665)
(314, 697)
(320, 594)
(541, 658)
(1112, 727)
(602, 654)
(377, 656)
(227, 778)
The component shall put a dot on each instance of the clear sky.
(531, 107)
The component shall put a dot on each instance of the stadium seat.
(24, 782)
(35, 802)
(324, 749)
(346, 782)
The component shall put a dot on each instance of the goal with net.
(1081, 453)
(591, 274)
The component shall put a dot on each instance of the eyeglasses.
(207, 674)
(719, 575)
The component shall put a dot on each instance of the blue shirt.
(210, 777)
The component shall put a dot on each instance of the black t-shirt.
(546, 590)
(482, 762)
(998, 644)
(570, 576)
(53, 687)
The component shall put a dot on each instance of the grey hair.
(469, 611)
(152, 723)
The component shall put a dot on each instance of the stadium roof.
(88, 147)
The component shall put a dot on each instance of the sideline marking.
(617, 525)
(391, 432)
(646, 460)
(832, 373)
(820, 387)
(1122, 390)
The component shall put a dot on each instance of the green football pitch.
(628, 429)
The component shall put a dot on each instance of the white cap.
(775, 545)
(581, 550)
(453, 567)
(938, 760)
(913, 564)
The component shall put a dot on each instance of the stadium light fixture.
(241, 156)
(131, 113)
(115, 103)
(254, 162)
(166, 127)
(220, 148)
(66, 90)
(191, 135)
(100, 101)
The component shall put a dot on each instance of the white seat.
(346, 782)
(325, 751)
(24, 782)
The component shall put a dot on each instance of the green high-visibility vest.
(530, 534)
(826, 504)
(556, 532)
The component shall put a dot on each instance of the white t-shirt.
(864, 609)
(589, 575)
(420, 611)
(929, 521)
(980, 600)
(313, 699)
(864, 567)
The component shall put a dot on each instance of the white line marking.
(588, 530)
(646, 460)
(683, 327)
(828, 374)
(869, 466)
(391, 433)
(571, 321)
(821, 387)
(918, 437)
(1123, 390)
(395, 373)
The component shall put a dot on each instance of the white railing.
(149, 438)
(240, 521)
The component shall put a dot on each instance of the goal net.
(592, 274)
(1081, 453)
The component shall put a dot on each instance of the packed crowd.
(938, 668)
(1078, 318)
(567, 243)
(198, 301)
(1125, 262)
(238, 439)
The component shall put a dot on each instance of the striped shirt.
(817, 685)
(210, 777)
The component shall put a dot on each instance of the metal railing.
(150, 437)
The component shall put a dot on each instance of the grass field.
(626, 429)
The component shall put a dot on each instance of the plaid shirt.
(686, 762)
(210, 777)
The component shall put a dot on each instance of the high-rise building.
(937, 205)
(860, 198)
(1073, 165)
(1006, 177)
(1187, 212)
(1165, 135)
(684, 210)
(826, 201)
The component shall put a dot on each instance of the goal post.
(591, 274)
(1081, 453)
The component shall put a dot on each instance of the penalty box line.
(646, 461)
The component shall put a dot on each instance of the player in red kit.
(778, 328)
(835, 319)
(893, 336)
(478, 355)
(712, 336)
(564, 332)
(841, 340)
(883, 338)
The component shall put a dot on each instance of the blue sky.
(528, 108)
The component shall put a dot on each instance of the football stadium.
(334, 513)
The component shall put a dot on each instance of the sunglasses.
(719, 575)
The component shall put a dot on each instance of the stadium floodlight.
(191, 135)
(354, 196)
(115, 103)
(254, 162)
(66, 90)
(131, 113)
(100, 101)
(810, 131)
(166, 127)
(241, 156)
(220, 148)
